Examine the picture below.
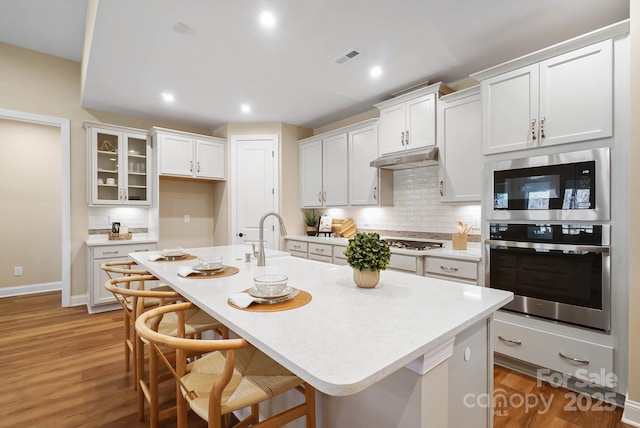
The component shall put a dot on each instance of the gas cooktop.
(412, 245)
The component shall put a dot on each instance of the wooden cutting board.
(348, 228)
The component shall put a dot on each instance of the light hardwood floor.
(62, 367)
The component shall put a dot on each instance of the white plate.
(257, 293)
(206, 269)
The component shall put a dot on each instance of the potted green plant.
(311, 218)
(367, 254)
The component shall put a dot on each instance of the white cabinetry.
(367, 185)
(297, 248)
(98, 298)
(408, 121)
(562, 353)
(460, 270)
(323, 171)
(335, 170)
(181, 154)
(460, 145)
(562, 99)
(118, 165)
(321, 252)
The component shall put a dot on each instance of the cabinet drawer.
(114, 251)
(320, 258)
(338, 252)
(298, 246)
(402, 262)
(454, 268)
(320, 249)
(302, 255)
(544, 349)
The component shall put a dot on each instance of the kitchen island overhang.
(346, 339)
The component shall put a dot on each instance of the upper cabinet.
(181, 154)
(119, 165)
(408, 121)
(563, 99)
(335, 171)
(460, 146)
(323, 171)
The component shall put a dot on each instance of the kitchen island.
(379, 357)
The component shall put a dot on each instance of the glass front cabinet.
(119, 165)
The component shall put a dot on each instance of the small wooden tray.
(119, 236)
(300, 300)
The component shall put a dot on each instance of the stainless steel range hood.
(406, 161)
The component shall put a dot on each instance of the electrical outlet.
(17, 271)
(187, 218)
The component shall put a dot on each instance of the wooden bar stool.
(231, 375)
(135, 299)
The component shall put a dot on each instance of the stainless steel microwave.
(564, 187)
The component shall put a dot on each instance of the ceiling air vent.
(347, 56)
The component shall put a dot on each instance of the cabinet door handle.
(406, 137)
(198, 166)
(319, 196)
(441, 188)
(449, 269)
(191, 166)
(542, 127)
(324, 196)
(533, 129)
(126, 194)
(375, 193)
(573, 359)
(402, 138)
(510, 341)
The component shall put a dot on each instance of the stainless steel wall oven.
(549, 237)
(556, 271)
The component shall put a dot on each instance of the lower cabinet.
(579, 358)
(98, 298)
(298, 248)
(459, 270)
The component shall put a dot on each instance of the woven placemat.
(227, 271)
(181, 259)
(300, 300)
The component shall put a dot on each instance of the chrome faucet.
(283, 232)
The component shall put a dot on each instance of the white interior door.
(256, 188)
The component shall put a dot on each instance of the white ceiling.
(287, 73)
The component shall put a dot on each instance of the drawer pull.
(296, 247)
(510, 341)
(110, 252)
(573, 359)
(449, 269)
(320, 249)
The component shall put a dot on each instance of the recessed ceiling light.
(267, 19)
(167, 97)
(181, 28)
(245, 108)
(375, 71)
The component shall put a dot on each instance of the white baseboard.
(631, 414)
(30, 289)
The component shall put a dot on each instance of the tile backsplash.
(100, 218)
(416, 208)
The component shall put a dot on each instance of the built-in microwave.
(564, 186)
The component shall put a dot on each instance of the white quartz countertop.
(98, 240)
(347, 338)
(472, 253)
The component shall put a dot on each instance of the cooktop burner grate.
(413, 245)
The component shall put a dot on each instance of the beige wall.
(42, 84)
(634, 204)
(31, 200)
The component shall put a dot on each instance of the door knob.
(241, 234)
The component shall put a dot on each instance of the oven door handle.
(601, 249)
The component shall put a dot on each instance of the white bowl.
(173, 252)
(210, 262)
(270, 284)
